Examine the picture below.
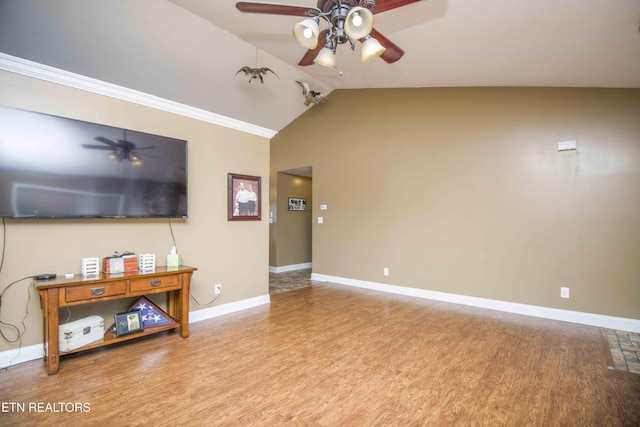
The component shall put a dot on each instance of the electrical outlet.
(218, 289)
(564, 292)
(385, 271)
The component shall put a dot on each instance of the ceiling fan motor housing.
(338, 16)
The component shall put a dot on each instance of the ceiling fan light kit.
(345, 24)
(306, 33)
(359, 23)
(371, 48)
(135, 159)
(347, 21)
(119, 150)
(326, 57)
(119, 155)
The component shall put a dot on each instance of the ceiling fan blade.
(107, 141)
(384, 5)
(393, 52)
(97, 147)
(311, 54)
(276, 9)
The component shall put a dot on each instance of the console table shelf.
(79, 290)
(110, 337)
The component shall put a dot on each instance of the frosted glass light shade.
(326, 57)
(306, 33)
(359, 23)
(371, 48)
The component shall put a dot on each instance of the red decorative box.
(123, 264)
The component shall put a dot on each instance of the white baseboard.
(221, 310)
(292, 267)
(10, 358)
(619, 323)
(13, 357)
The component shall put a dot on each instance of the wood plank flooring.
(329, 355)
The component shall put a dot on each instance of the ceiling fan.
(120, 150)
(347, 21)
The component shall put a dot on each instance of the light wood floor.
(330, 355)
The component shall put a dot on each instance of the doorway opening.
(290, 218)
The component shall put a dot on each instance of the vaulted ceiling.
(189, 51)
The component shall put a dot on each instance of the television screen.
(55, 167)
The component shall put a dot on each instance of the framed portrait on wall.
(244, 199)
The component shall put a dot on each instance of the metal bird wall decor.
(311, 97)
(256, 73)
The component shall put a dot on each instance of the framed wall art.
(297, 204)
(244, 199)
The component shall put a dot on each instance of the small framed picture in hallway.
(244, 199)
(297, 204)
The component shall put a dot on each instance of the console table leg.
(184, 305)
(184, 314)
(51, 342)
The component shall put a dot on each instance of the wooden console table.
(79, 290)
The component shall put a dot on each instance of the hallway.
(283, 282)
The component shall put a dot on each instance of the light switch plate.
(567, 145)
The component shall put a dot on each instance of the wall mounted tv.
(55, 167)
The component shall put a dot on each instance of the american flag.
(151, 314)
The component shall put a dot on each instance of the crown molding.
(55, 75)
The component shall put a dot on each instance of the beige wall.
(290, 230)
(232, 253)
(461, 190)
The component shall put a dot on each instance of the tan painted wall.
(291, 229)
(461, 190)
(232, 253)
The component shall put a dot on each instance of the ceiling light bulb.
(306, 33)
(359, 23)
(357, 19)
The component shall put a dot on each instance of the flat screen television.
(55, 167)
